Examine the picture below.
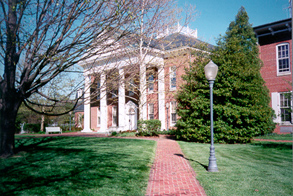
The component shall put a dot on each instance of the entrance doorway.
(131, 116)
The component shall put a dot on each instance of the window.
(285, 107)
(151, 111)
(151, 83)
(173, 112)
(98, 90)
(114, 116)
(98, 117)
(283, 58)
(173, 78)
(131, 88)
(114, 93)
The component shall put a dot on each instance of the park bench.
(53, 129)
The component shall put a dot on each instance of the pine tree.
(241, 100)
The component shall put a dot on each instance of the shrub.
(32, 128)
(148, 127)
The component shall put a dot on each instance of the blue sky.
(214, 16)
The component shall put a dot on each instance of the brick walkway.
(171, 173)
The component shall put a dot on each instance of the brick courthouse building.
(103, 115)
(167, 61)
(275, 44)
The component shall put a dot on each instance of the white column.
(161, 97)
(103, 104)
(143, 90)
(87, 105)
(121, 100)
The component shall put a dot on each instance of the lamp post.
(211, 70)
(167, 106)
(70, 121)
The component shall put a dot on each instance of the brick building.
(149, 96)
(275, 44)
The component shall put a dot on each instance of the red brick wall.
(274, 82)
(181, 62)
(269, 70)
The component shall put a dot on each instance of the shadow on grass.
(59, 166)
(204, 166)
(278, 145)
(25, 143)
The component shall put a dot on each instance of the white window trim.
(171, 74)
(285, 122)
(149, 111)
(113, 112)
(170, 118)
(277, 60)
(276, 105)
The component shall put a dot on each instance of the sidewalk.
(171, 173)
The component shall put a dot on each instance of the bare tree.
(41, 39)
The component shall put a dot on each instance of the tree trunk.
(10, 99)
(8, 113)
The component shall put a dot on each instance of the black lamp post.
(167, 106)
(211, 70)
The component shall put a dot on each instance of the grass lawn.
(77, 166)
(275, 136)
(262, 168)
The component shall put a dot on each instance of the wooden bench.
(53, 129)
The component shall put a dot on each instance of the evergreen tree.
(241, 100)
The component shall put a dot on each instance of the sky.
(214, 16)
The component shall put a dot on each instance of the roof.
(178, 40)
(273, 28)
(79, 108)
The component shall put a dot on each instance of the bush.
(148, 127)
(170, 132)
(73, 129)
(32, 128)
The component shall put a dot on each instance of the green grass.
(275, 136)
(262, 168)
(77, 166)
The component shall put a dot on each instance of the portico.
(119, 110)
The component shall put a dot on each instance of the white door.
(131, 116)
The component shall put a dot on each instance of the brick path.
(171, 173)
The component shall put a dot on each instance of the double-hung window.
(151, 111)
(283, 59)
(151, 83)
(173, 78)
(173, 112)
(285, 107)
